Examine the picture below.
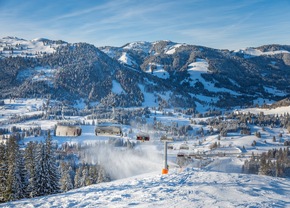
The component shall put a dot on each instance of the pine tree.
(264, 168)
(93, 173)
(53, 174)
(86, 180)
(47, 171)
(77, 179)
(65, 180)
(42, 181)
(15, 188)
(23, 175)
(31, 165)
(71, 174)
(102, 176)
(3, 171)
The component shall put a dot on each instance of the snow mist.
(124, 162)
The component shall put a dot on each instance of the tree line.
(275, 162)
(35, 171)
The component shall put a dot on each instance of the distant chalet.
(68, 130)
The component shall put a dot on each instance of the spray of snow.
(122, 163)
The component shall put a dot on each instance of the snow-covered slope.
(142, 46)
(195, 76)
(126, 59)
(180, 188)
(172, 49)
(261, 51)
(158, 71)
(13, 46)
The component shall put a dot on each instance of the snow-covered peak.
(13, 46)
(142, 46)
(250, 52)
(162, 46)
(11, 38)
(40, 40)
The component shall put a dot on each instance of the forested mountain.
(162, 73)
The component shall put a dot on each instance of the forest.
(43, 168)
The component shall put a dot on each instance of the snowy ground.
(180, 188)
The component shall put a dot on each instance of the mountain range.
(160, 74)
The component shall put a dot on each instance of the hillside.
(180, 188)
(160, 74)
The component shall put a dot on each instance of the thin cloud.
(219, 24)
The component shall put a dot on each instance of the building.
(108, 129)
(68, 130)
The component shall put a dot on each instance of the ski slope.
(190, 187)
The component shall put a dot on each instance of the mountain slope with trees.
(173, 75)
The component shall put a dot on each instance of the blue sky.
(231, 24)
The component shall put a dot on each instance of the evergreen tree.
(258, 134)
(93, 173)
(42, 179)
(264, 168)
(31, 165)
(3, 171)
(15, 188)
(47, 171)
(86, 180)
(65, 180)
(77, 179)
(102, 176)
(23, 174)
(53, 174)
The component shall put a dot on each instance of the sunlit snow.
(199, 67)
(158, 71)
(249, 52)
(142, 46)
(172, 49)
(126, 59)
(13, 46)
(38, 74)
(190, 187)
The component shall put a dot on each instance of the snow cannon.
(166, 167)
(164, 171)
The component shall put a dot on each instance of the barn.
(108, 129)
(68, 130)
